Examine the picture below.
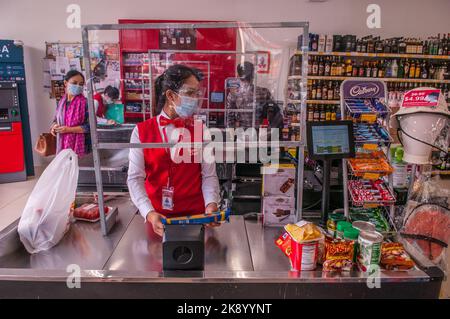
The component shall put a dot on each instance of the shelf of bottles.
(403, 63)
(136, 85)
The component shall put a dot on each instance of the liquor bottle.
(315, 66)
(319, 91)
(402, 46)
(343, 68)
(388, 69)
(327, 70)
(374, 69)
(328, 113)
(355, 70)
(309, 90)
(425, 48)
(321, 67)
(316, 114)
(368, 70)
(419, 46)
(431, 71)
(418, 70)
(309, 65)
(412, 70)
(394, 69)
(440, 48)
(314, 91)
(330, 90)
(322, 113)
(314, 42)
(445, 45)
(406, 69)
(349, 68)
(361, 70)
(401, 69)
(310, 113)
(381, 69)
(424, 69)
(370, 46)
(337, 92)
(333, 67)
(358, 46)
(324, 91)
(333, 113)
(363, 46)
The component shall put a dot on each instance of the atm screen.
(7, 98)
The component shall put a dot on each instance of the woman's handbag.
(46, 145)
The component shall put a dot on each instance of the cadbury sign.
(363, 89)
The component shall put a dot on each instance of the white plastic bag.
(46, 216)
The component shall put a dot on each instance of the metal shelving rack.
(106, 225)
(379, 143)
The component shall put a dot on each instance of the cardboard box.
(278, 210)
(278, 180)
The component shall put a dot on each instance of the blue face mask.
(187, 107)
(74, 89)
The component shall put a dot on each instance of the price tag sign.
(371, 205)
(371, 176)
(422, 98)
(370, 118)
(370, 147)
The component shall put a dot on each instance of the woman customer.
(71, 122)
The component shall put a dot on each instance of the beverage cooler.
(16, 161)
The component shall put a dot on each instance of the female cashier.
(160, 186)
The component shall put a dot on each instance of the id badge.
(167, 198)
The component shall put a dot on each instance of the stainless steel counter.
(226, 249)
(83, 245)
(241, 260)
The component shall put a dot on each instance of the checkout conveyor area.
(241, 261)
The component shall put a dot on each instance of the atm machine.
(16, 159)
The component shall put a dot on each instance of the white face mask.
(107, 100)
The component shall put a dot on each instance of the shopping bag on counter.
(46, 216)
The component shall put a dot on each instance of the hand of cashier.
(155, 219)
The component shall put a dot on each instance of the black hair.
(73, 73)
(245, 71)
(172, 79)
(112, 92)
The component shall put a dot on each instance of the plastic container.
(364, 226)
(369, 249)
(352, 233)
(341, 226)
(304, 255)
(332, 221)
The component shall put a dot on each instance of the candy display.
(394, 257)
(217, 217)
(369, 220)
(369, 163)
(338, 255)
(365, 133)
(365, 106)
(366, 192)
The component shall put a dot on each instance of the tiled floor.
(13, 197)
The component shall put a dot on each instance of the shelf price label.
(371, 205)
(370, 118)
(371, 176)
(370, 147)
(421, 98)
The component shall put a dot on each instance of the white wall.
(35, 22)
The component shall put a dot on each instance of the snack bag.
(394, 257)
(284, 243)
(338, 255)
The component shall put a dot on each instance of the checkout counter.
(241, 261)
